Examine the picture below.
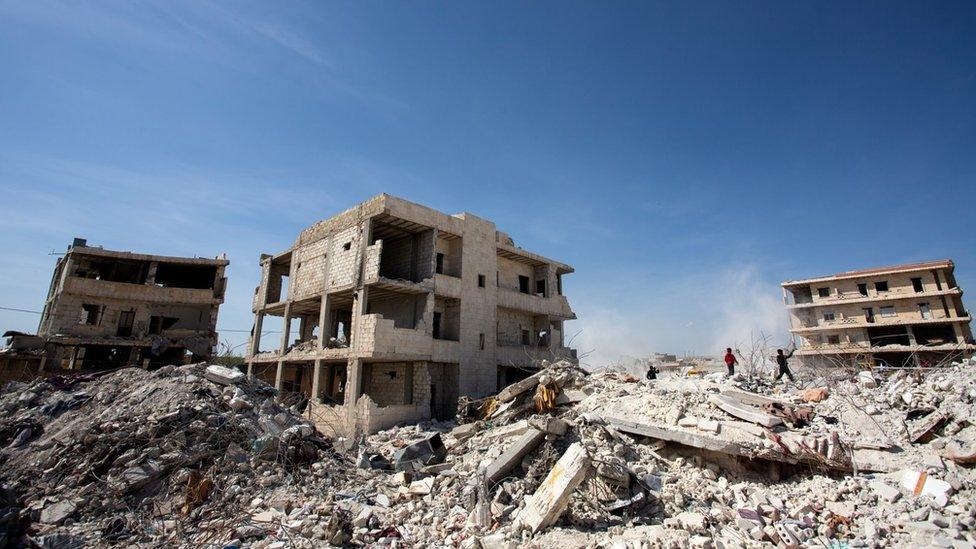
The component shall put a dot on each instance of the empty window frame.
(833, 339)
(917, 285)
(881, 286)
(437, 325)
(887, 310)
(862, 289)
(926, 313)
(823, 292)
(868, 314)
(540, 287)
(828, 316)
(439, 263)
(523, 282)
(481, 281)
(90, 314)
(126, 318)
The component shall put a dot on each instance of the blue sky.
(685, 157)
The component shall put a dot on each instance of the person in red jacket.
(730, 360)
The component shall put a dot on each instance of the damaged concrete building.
(108, 308)
(908, 314)
(392, 310)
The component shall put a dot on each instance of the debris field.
(202, 455)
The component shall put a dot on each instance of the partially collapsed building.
(393, 310)
(901, 315)
(108, 308)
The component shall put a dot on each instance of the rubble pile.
(684, 462)
(174, 457)
(197, 454)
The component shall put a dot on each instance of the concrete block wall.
(310, 262)
(344, 263)
(384, 389)
(371, 265)
(373, 416)
(451, 248)
(477, 376)
(510, 326)
(509, 271)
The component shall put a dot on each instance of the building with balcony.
(909, 314)
(392, 310)
(106, 309)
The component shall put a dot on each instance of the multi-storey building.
(393, 310)
(902, 315)
(108, 308)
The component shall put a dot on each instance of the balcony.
(938, 317)
(378, 337)
(557, 305)
(854, 298)
(137, 292)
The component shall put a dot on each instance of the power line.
(20, 310)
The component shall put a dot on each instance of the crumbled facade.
(108, 308)
(902, 315)
(393, 310)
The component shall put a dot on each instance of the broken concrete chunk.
(866, 379)
(709, 425)
(421, 487)
(56, 513)
(547, 504)
(223, 375)
(744, 411)
(519, 387)
(504, 463)
(921, 483)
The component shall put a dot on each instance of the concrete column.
(286, 329)
(40, 367)
(317, 380)
(279, 376)
(255, 345)
(911, 336)
(354, 381)
(73, 359)
(250, 369)
(358, 310)
(432, 260)
(151, 274)
(325, 324)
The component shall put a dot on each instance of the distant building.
(109, 308)
(400, 309)
(901, 315)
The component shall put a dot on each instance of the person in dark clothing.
(784, 366)
(651, 372)
(730, 360)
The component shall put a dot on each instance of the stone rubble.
(179, 457)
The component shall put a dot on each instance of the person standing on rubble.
(784, 366)
(730, 360)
